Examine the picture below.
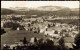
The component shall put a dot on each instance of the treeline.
(68, 21)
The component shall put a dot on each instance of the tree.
(56, 32)
(24, 41)
(35, 39)
(29, 25)
(22, 28)
(50, 42)
(2, 31)
(53, 24)
(48, 25)
(6, 47)
(38, 30)
(77, 41)
(49, 45)
(62, 45)
(14, 48)
(11, 25)
(61, 41)
(16, 18)
(40, 41)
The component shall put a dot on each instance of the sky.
(35, 4)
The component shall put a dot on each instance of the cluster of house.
(53, 29)
(49, 28)
(39, 25)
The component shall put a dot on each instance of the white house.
(32, 40)
(51, 33)
(18, 28)
(13, 45)
(43, 29)
(57, 24)
(2, 24)
(70, 29)
(76, 32)
(51, 39)
(26, 28)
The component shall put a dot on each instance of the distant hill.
(40, 11)
(55, 8)
(75, 9)
(5, 11)
(20, 8)
(50, 8)
(8, 11)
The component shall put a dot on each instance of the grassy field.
(15, 36)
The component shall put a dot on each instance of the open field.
(15, 36)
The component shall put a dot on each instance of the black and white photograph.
(40, 0)
(40, 25)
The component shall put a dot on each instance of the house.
(43, 29)
(51, 39)
(51, 33)
(18, 28)
(2, 24)
(74, 33)
(70, 29)
(12, 46)
(39, 19)
(68, 41)
(32, 40)
(26, 28)
(57, 24)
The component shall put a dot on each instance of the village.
(43, 25)
(40, 25)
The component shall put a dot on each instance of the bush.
(2, 31)
(77, 41)
(12, 25)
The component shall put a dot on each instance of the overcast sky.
(34, 4)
